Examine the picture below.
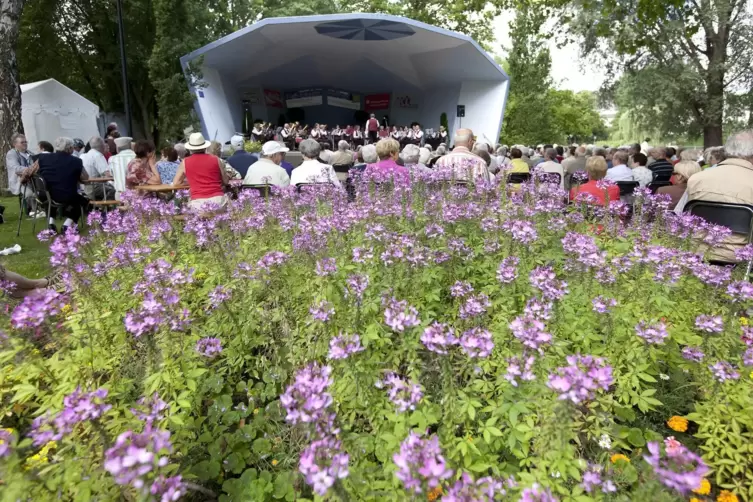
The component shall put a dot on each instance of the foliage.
(252, 146)
(218, 316)
(576, 116)
(443, 121)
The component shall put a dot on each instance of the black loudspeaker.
(461, 111)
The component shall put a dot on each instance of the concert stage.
(333, 69)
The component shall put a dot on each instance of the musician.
(372, 128)
(395, 134)
(287, 135)
(383, 133)
(418, 135)
(442, 134)
(315, 132)
(324, 138)
(257, 133)
(358, 136)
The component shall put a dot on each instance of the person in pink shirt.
(388, 151)
(596, 167)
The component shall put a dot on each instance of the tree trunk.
(10, 89)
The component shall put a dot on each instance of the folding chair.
(518, 177)
(342, 168)
(301, 186)
(736, 217)
(264, 190)
(627, 187)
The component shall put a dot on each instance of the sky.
(568, 71)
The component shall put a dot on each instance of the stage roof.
(357, 52)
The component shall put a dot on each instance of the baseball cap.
(273, 147)
(237, 142)
(78, 143)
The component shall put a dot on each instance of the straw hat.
(196, 141)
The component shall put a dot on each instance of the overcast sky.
(567, 71)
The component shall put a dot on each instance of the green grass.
(34, 259)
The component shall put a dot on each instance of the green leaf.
(635, 438)
(262, 446)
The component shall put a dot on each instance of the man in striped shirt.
(661, 167)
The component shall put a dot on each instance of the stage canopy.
(331, 66)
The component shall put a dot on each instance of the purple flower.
(219, 295)
(520, 367)
(740, 291)
(35, 309)
(530, 331)
(744, 253)
(538, 309)
(724, 371)
(678, 468)
(545, 280)
(508, 270)
(404, 395)
(156, 409)
(592, 481)
(438, 337)
(602, 305)
(748, 357)
(322, 463)
(604, 184)
(322, 311)
(168, 489)
(460, 289)
(209, 347)
(474, 305)
(78, 407)
(135, 455)
(536, 493)
(584, 246)
(580, 380)
(306, 400)
(399, 315)
(481, 490)
(747, 336)
(6, 438)
(420, 463)
(653, 334)
(362, 255)
(709, 324)
(476, 342)
(356, 285)
(325, 267)
(522, 231)
(342, 346)
(693, 354)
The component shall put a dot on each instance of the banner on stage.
(252, 96)
(405, 101)
(377, 102)
(273, 98)
(343, 99)
(304, 97)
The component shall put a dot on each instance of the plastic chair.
(627, 187)
(736, 217)
(518, 177)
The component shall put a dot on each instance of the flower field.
(423, 342)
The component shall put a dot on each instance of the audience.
(240, 160)
(96, 166)
(62, 173)
(713, 156)
(142, 169)
(682, 173)
(168, 165)
(596, 167)
(461, 164)
(661, 167)
(118, 163)
(343, 156)
(517, 164)
(619, 171)
(205, 174)
(267, 170)
(388, 151)
(17, 163)
(574, 164)
(550, 165)
(311, 170)
(640, 172)
(412, 159)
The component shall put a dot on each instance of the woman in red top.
(206, 177)
(142, 170)
(596, 167)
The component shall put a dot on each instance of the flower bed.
(424, 342)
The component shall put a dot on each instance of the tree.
(575, 116)
(691, 53)
(10, 89)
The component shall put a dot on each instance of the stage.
(338, 69)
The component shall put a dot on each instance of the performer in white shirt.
(443, 134)
(257, 133)
(418, 134)
(315, 132)
(358, 136)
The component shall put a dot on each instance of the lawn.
(33, 260)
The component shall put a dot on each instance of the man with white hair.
(267, 170)
(62, 173)
(96, 166)
(493, 167)
(18, 160)
(311, 170)
(412, 158)
(240, 160)
(461, 164)
(619, 171)
(730, 181)
(551, 166)
(424, 154)
(343, 156)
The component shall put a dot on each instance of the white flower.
(663, 376)
(556, 474)
(605, 442)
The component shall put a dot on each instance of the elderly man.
(240, 160)
(62, 173)
(661, 167)
(412, 159)
(713, 156)
(574, 164)
(485, 147)
(461, 164)
(311, 170)
(267, 170)
(619, 171)
(118, 163)
(730, 181)
(17, 160)
(96, 166)
(343, 156)
(551, 166)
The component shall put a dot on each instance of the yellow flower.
(274, 461)
(256, 411)
(744, 321)
(618, 456)
(434, 494)
(40, 458)
(678, 424)
(693, 499)
(704, 488)
(726, 496)
(65, 309)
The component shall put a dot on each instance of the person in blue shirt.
(286, 165)
(240, 160)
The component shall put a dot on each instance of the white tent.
(332, 65)
(50, 110)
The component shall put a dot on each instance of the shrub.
(425, 341)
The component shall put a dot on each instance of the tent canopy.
(360, 53)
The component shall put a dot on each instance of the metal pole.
(124, 68)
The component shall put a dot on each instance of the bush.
(422, 342)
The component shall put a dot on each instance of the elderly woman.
(205, 174)
(388, 151)
(343, 156)
(143, 169)
(168, 165)
(714, 155)
(424, 154)
(412, 158)
(682, 173)
(311, 170)
(596, 167)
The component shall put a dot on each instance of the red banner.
(273, 98)
(377, 102)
